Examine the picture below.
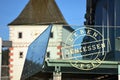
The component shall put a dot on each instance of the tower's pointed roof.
(40, 12)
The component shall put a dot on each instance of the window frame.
(51, 34)
(20, 35)
(20, 54)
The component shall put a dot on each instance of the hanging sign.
(86, 48)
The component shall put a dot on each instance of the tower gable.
(40, 12)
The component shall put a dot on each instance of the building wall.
(55, 42)
(107, 16)
(20, 46)
(22, 36)
(117, 30)
(66, 34)
(58, 41)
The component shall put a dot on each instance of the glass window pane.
(36, 54)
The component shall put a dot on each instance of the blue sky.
(72, 10)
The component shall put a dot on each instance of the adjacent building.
(104, 14)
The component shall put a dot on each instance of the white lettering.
(88, 32)
(98, 60)
(98, 46)
(82, 31)
(103, 45)
(75, 34)
(89, 48)
(84, 48)
(93, 47)
(95, 34)
(71, 51)
(71, 39)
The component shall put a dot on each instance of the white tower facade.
(23, 36)
(32, 21)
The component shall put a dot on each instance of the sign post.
(57, 75)
(0, 56)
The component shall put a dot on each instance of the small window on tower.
(20, 35)
(51, 35)
(48, 54)
(21, 55)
